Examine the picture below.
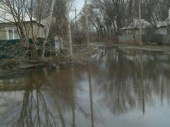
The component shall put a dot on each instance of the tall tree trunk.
(69, 28)
(48, 27)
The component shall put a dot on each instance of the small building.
(9, 29)
(163, 27)
(130, 33)
(158, 32)
(161, 34)
(133, 28)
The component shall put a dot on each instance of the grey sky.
(78, 4)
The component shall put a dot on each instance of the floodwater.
(126, 88)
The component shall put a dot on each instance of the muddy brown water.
(118, 91)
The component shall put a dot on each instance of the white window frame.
(13, 30)
(42, 32)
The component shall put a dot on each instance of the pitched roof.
(7, 17)
(136, 24)
(163, 23)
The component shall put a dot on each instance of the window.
(16, 36)
(12, 34)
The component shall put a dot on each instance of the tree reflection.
(91, 100)
(142, 84)
(64, 93)
(129, 80)
(132, 79)
(37, 107)
(34, 111)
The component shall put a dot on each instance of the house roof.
(136, 24)
(163, 23)
(6, 17)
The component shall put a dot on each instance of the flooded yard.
(126, 88)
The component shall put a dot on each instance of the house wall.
(3, 26)
(2, 32)
(133, 31)
(166, 40)
(130, 38)
(36, 27)
(162, 31)
(131, 35)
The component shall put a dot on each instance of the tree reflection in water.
(91, 99)
(124, 81)
(133, 80)
(34, 111)
(47, 100)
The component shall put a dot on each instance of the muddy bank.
(11, 67)
(144, 47)
(17, 66)
(147, 47)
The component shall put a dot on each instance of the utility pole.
(76, 28)
(75, 15)
(86, 22)
(140, 22)
(69, 28)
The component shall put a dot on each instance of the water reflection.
(31, 109)
(127, 85)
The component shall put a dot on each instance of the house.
(162, 27)
(130, 33)
(159, 32)
(133, 28)
(9, 29)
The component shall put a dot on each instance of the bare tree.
(48, 27)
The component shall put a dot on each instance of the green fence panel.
(5, 44)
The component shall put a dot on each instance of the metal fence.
(12, 48)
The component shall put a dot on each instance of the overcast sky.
(78, 4)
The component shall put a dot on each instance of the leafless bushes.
(109, 16)
(24, 52)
